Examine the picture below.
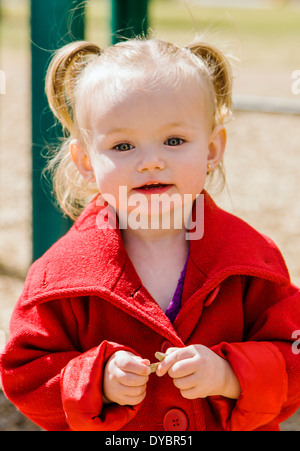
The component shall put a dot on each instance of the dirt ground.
(263, 185)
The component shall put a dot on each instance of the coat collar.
(91, 259)
(230, 246)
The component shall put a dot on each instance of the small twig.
(160, 356)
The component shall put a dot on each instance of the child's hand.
(198, 372)
(125, 378)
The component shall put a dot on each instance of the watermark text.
(296, 344)
(2, 82)
(296, 83)
(2, 340)
(157, 211)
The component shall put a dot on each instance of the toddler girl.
(144, 123)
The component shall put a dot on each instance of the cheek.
(194, 176)
(105, 172)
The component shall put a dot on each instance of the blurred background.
(263, 155)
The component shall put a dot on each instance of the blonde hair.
(76, 63)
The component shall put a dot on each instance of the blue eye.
(173, 142)
(123, 147)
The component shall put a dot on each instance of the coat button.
(175, 420)
(165, 346)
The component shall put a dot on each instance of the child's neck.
(154, 233)
(154, 239)
(158, 257)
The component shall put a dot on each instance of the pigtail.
(66, 65)
(71, 190)
(220, 72)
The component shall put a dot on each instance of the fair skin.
(157, 136)
(141, 136)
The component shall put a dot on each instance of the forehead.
(116, 94)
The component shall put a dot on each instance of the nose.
(150, 159)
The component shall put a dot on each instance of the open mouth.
(153, 187)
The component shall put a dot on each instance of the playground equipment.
(55, 23)
(129, 18)
(50, 29)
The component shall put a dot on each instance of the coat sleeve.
(47, 376)
(267, 363)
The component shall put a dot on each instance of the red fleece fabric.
(83, 301)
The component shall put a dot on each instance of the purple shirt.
(175, 304)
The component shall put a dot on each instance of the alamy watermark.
(296, 83)
(296, 344)
(2, 339)
(2, 82)
(157, 211)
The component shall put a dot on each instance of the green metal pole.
(129, 19)
(54, 23)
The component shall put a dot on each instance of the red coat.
(83, 301)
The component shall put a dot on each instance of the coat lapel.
(91, 260)
(229, 246)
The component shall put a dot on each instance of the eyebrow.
(165, 127)
(176, 125)
(119, 130)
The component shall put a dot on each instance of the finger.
(170, 350)
(133, 364)
(126, 378)
(186, 383)
(132, 400)
(145, 362)
(133, 392)
(172, 357)
(183, 368)
(191, 393)
(132, 380)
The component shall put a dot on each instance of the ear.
(216, 147)
(81, 160)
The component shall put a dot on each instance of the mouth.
(153, 187)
